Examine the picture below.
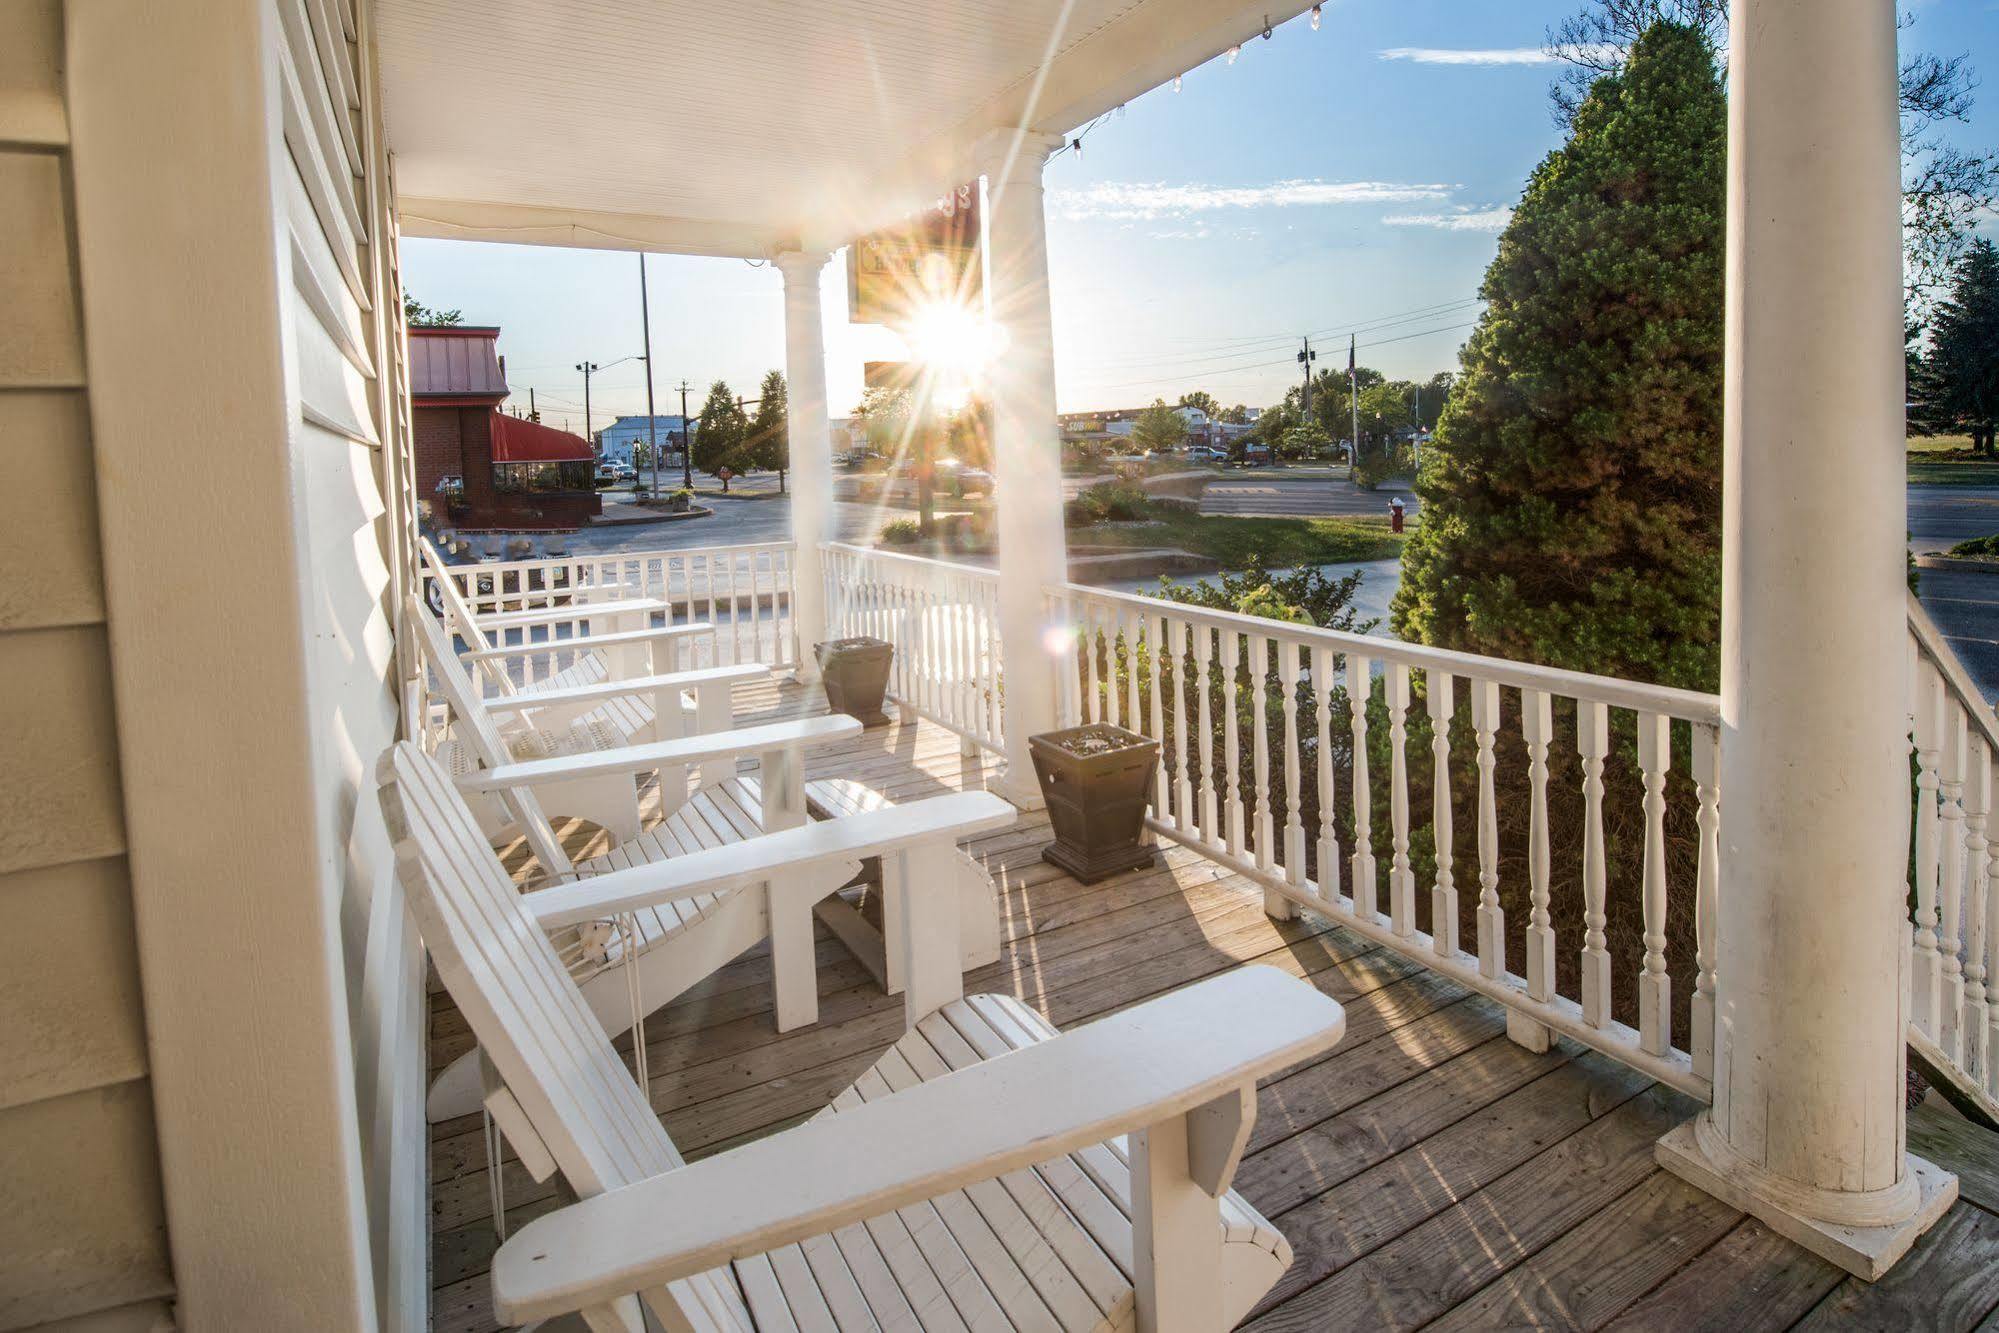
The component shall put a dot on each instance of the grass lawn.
(1947, 460)
(1280, 541)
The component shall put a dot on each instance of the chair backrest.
(460, 614)
(531, 1020)
(477, 730)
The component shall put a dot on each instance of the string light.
(1315, 17)
(1076, 145)
(1176, 83)
(1266, 27)
(1234, 51)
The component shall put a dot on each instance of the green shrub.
(901, 532)
(1378, 464)
(1978, 548)
(1109, 502)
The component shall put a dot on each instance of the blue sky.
(1349, 178)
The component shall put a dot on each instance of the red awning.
(518, 440)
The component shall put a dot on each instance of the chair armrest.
(688, 750)
(580, 642)
(1163, 1059)
(754, 860)
(549, 615)
(618, 689)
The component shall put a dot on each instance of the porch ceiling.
(743, 128)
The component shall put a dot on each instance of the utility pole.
(534, 413)
(652, 422)
(1416, 440)
(588, 368)
(686, 441)
(1353, 396)
(1306, 357)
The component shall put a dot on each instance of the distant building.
(479, 467)
(618, 439)
(1121, 422)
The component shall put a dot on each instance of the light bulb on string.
(1234, 51)
(1315, 17)
(1176, 83)
(1077, 144)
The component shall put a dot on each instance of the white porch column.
(1027, 443)
(1806, 1131)
(811, 448)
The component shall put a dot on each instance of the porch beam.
(1806, 1130)
(811, 441)
(1027, 444)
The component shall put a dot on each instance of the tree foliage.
(1203, 401)
(1945, 190)
(767, 439)
(718, 438)
(418, 315)
(1957, 382)
(1159, 428)
(1572, 493)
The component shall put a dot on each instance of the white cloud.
(1474, 219)
(1446, 55)
(1145, 201)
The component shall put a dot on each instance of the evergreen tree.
(1959, 379)
(768, 442)
(718, 438)
(1572, 494)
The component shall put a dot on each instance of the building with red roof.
(478, 466)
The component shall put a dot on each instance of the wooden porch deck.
(1428, 1172)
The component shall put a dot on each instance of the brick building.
(477, 466)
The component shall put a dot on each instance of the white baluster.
(1538, 728)
(1259, 739)
(1442, 703)
(1129, 626)
(1977, 1020)
(1323, 680)
(1592, 744)
(1155, 664)
(1093, 702)
(1707, 794)
(1950, 880)
(1925, 965)
(1204, 650)
(1294, 818)
(1230, 665)
(1655, 986)
(1990, 953)
(1183, 738)
(1401, 879)
(1360, 684)
(1491, 916)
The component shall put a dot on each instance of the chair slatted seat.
(1044, 1223)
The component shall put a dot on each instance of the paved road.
(1281, 495)
(1966, 606)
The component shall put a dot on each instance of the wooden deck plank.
(1750, 1278)
(1601, 1266)
(1370, 1208)
(1447, 1259)
(1949, 1280)
(1954, 1143)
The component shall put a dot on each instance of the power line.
(1288, 360)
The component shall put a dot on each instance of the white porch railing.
(1327, 708)
(744, 590)
(943, 619)
(1954, 949)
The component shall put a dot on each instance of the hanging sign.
(932, 258)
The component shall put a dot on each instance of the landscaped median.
(1949, 460)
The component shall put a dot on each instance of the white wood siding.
(82, 1230)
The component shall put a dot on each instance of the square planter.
(855, 672)
(1095, 780)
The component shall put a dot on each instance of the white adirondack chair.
(973, 1178)
(575, 720)
(620, 643)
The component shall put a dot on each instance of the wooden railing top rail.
(1689, 705)
(1930, 639)
(593, 557)
(922, 561)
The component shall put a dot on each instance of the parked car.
(955, 476)
(1206, 453)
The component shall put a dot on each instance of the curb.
(1957, 563)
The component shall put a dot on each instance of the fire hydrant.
(1395, 514)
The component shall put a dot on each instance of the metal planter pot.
(1095, 780)
(855, 673)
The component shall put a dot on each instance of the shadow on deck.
(1428, 1172)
